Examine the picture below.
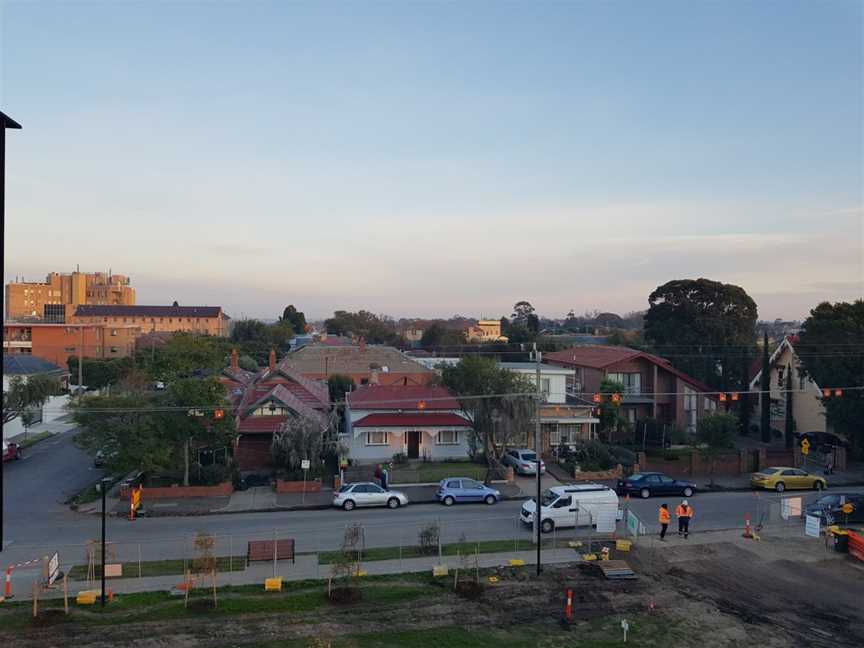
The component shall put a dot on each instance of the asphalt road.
(37, 522)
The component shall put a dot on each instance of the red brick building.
(263, 401)
(652, 386)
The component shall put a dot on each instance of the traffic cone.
(748, 532)
(8, 592)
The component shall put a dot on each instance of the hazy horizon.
(427, 159)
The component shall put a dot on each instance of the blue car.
(462, 489)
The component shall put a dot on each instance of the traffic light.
(722, 398)
(597, 398)
(616, 398)
(219, 414)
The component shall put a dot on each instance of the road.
(38, 523)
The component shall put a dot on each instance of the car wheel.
(490, 500)
(645, 493)
(348, 505)
(688, 492)
(780, 487)
(449, 501)
(393, 502)
(546, 526)
(819, 485)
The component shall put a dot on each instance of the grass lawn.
(485, 546)
(436, 471)
(644, 630)
(33, 439)
(160, 567)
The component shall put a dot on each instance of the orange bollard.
(748, 532)
(569, 609)
(110, 596)
(8, 591)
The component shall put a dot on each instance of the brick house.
(263, 401)
(652, 386)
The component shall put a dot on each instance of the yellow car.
(781, 478)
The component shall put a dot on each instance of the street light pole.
(5, 122)
(103, 486)
(538, 449)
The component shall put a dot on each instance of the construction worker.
(665, 519)
(684, 512)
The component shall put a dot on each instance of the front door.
(413, 444)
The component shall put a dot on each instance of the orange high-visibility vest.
(681, 511)
(665, 516)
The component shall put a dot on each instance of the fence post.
(230, 553)
(139, 560)
(274, 553)
(439, 539)
(401, 566)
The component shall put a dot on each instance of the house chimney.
(235, 361)
(373, 377)
(272, 359)
(362, 344)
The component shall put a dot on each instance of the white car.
(524, 461)
(367, 494)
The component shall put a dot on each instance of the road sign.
(305, 464)
(805, 446)
(605, 521)
(632, 523)
(790, 507)
(811, 527)
(53, 568)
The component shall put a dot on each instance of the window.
(565, 433)
(364, 381)
(70, 349)
(564, 502)
(447, 437)
(690, 408)
(801, 380)
(780, 371)
(267, 410)
(632, 381)
(114, 332)
(455, 483)
(114, 349)
(376, 438)
(470, 483)
(545, 385)
(710, 405)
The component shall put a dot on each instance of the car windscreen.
(635, 477)
(529, 456)
(345, 488)
(548, 497)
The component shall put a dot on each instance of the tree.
(296, 319)
(189, 417)
(520, 334)
(745, 405)
(184, 355)
(830, 348)
(716, 433)
(299, 438)
(24, 394)
(98, 374)
(790, 420)
(521, 311)
(505, 326)
(702, 325)
(438, 335)
(375, 329)
(502, 417)
(765, 389)
(247, 362)
(338, 385)
(611, 419)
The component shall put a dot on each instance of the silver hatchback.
(367, 494)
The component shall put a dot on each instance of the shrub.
(623, 456)
(429, 537)
(592, 455)
(212, 475)
(400, 459)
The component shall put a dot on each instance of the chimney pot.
(235, 361)
(362, 344)
(272, 359)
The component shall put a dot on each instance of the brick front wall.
(311, 486)
(173, 492)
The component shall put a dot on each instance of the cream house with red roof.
(417, 420)
(263, 401)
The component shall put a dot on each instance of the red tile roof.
(260, 424)
(402, 397)
(412, 420)
(602, 357)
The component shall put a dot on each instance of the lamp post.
(7, 122)
(103, 486)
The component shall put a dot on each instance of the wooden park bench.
(262, 550)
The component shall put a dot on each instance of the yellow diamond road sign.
(848, 508)
(805, 443)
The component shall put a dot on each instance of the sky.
(433, 158)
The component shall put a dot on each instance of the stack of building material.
(616, 570)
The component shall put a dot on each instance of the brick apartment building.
(57, 342)
(48, 301)
(652, 386)
(204, 320)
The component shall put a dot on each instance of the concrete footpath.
(306, 567)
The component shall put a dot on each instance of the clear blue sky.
(437, 158)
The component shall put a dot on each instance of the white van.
(569, 506)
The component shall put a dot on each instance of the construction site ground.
(711, 590)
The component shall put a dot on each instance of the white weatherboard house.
(417, 420)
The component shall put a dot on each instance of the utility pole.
(538, 449)
(81, 366)
(5, 122)
(103, 486)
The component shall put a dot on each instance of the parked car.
(367, 494)
(567, 506)
(782, 478)
(524, 461)
(647, 484)
(462, 489)
(11, 451)
(829, 508)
